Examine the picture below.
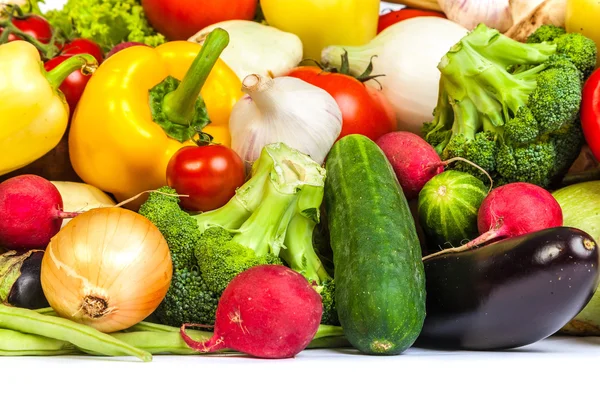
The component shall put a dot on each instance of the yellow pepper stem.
(86, 62)
(179, 106)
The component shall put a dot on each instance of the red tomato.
(181, 19)
(394, 17)
(73, 86)
(34, 25)
(590, 113)
(209, 175)
(83, 46)
(364, 109)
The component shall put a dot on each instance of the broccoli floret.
(529, 163)
(211, 248)
(220, 258)
(521, 129)
(546, 33)
(188, 298)
(568, 142)
(580, 50)
(508, 100)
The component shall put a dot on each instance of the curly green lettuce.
(107, 22)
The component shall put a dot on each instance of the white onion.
(256, 48)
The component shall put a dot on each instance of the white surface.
(558, 367)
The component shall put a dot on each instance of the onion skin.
(113, 256)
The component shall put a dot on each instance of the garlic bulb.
(470, 13)
(256, 48)
(286, 110)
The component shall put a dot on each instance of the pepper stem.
(179, 105)
(64, 69)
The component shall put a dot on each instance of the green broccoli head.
(511, 102)
(531, 163)
(557, 97)
(580, 50)
(521, 129)
(546, 33)
(189, 300)
(220, 259)
(327, 292)
(178, 227)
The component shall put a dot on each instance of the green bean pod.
(82, 336)
(13, 343)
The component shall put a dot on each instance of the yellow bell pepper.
(131, 119)
(581, 16)
(33, 112)
(321, 23)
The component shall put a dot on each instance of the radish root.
(492, 234)
(471, 163)
(121, 204)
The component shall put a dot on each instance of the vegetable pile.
(263, 178)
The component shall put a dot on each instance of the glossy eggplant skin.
(510, 293)
(20, 280)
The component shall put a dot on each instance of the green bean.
(82, 336)
(13, 343)
(152, 327)
(162, 342)
(46, 311)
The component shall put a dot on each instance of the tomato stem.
(64, 69)
(179, 106)
(48, 51)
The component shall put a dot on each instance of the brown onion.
(108, 268)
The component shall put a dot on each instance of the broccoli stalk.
(289, 184)
(300, 255)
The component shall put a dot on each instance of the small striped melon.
(448, 206)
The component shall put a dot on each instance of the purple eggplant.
(510, 293)
(20, 283)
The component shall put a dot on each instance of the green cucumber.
(379, 274)
(448, 206)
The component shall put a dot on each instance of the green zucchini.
(379, 275)
(448, 207)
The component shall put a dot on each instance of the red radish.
(30, 212)
(123, 46)
(513, 210)
(267, 311)
(414, 161)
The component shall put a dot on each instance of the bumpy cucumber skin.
(450, 218)
(379, 274)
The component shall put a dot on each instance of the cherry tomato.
(83, 46)
(590, 113)
(75, 84)
(391, 18)
(181, 19)
(34, 25)
(364, 109)
(209, 175)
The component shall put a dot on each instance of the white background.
(554, 368)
